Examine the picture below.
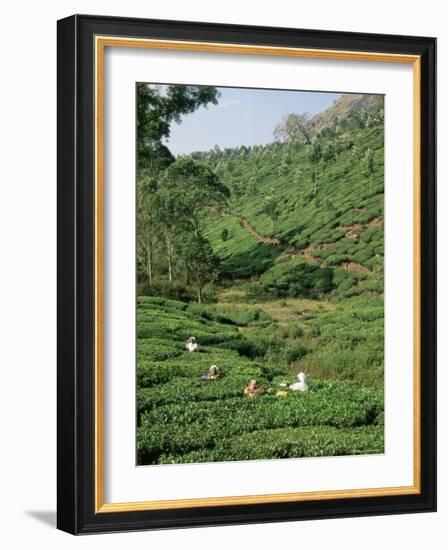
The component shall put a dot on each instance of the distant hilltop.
(345, 106)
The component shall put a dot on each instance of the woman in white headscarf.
(301, 385)
(191, 344)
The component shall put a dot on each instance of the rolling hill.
(328, 217)
(345, 106)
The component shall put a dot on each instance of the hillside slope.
(346, 105)
(327, 215)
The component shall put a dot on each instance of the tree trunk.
(370, 184)
(149, 265)
(170, 259)
(315, 181)
(199, 295)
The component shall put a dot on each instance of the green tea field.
(271, 257)
(185, 419)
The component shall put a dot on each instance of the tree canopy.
(295, 128)
(201, 264)
(157, 107)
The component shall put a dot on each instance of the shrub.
(344, 279)
(241, 316)
(298, 279)
(246, 348)
(294, 353)
(363, 255)
(178, 428)
(291, 331)
(372, 234)
(224, 234)
(287, 443)
(337, 259)
(166, 289)
(185, 390)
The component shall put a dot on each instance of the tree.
(253, 184)
(328, 204)
(367, 161)
(198, 187)
(184, 190)
(298, 176)
(271, 208)
(283, 168)
(315, 156)
(237, 188)
(295, 128)
(171, 212)
(224, 234)
(200, 262)
(147, 230)
(157, 108)
(328, 152)
(343, 142)
(357, 153)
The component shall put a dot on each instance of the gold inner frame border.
(100, 44)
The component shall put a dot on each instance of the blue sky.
(242, 117)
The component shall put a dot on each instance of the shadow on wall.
(48, 517)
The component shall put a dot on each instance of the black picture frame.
(76, 255)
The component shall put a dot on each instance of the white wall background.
(28, 272)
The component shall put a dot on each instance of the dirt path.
(354, 231)
(290, 251)
(262, 238)
(249, 228)
(354, 266)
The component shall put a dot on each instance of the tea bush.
(182, 418)
(179, 427)
(287, 443)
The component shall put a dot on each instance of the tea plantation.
(182, 418)
(284, 252)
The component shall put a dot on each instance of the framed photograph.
(246, 274)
